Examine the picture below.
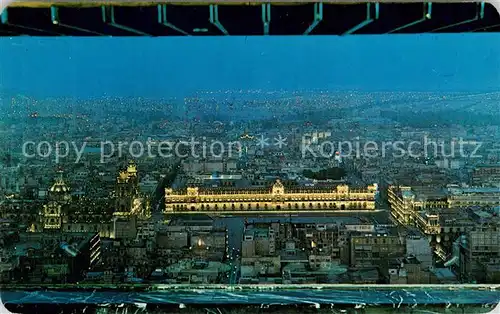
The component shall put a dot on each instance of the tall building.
(127, 190)
(59, 197)
(401, 201)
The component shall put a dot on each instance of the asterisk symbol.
(262, 142)
(280, 141)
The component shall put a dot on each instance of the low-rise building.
(486, 175)
(487, 197)
(276, 197)
(480, 248)
(57, 257)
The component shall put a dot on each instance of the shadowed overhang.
(201, 18)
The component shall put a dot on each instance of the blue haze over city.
(163, 67)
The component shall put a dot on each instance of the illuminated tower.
(127, 189)
(246, 140)
(59, 198)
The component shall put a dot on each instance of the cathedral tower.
(59, 198)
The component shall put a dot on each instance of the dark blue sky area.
(158, 67)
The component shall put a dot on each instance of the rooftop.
(257, 232)
(379, 231)
(478, 190)
(191, 220)
(429, 192)
(444, 273)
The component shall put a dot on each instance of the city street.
(234, 263)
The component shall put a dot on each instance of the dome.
(59, 187)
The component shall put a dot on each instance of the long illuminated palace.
(276, 197)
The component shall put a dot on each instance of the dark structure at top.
(184, 18)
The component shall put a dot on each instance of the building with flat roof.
(474, 196)
(372, 249)
(411, 209)
(57, 257)
(194, 271)
(486, 175)
(480, 248)
(276, 197)
(418, 206)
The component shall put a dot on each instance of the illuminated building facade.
(128, 198)
(64, 213)
(401, 200)
(274, 198)
(410, 210)
(59, 196)
(430, 215)
(127, 189)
